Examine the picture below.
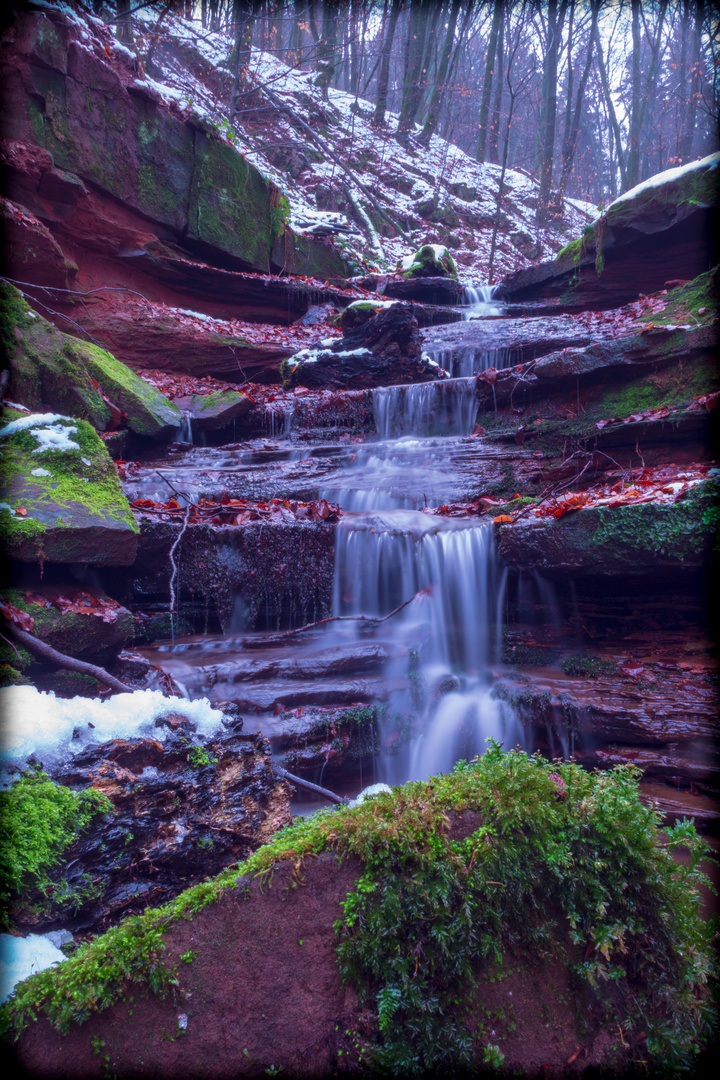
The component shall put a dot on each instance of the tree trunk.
(414, 54)
(327, 51)
(570, 140)
(244, 20)
(488, 80)
(694, 87)
(124, 32)
(384, 77)
(633, 156)
(494, 131)
(610, 109)
(438, 90)
(549, 111)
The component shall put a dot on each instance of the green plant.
(493, 1056)
(40, 821)
(589, 666)
(198, 757)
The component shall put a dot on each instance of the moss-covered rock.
(210, 412)
(62, 500)
(79, 622)
(45, 369)
(149, 412)
(431, 260)
(626, 540)
(49, 369)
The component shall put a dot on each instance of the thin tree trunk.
(414, 54)
(570, 141)
(549, 113)
(488, 80)
(124, 32)
(494, 133)
(687, 144)
(633, 157)
(384, 77)
(610, 109)
(438, 90)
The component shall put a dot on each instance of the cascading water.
(446, 407)
(439, 693)
(478, 301)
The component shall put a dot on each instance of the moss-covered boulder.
(45, 369)
(149, 412)
(61, 498)
(210, 412)
(76, 621)
(49, 369)
(431, 260)
(628, 540)
(505, 914)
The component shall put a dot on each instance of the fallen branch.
(46, 652)
(271, 639)
(315, 788)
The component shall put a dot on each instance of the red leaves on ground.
(230, 511)
(79, 602)
(15, 615)
(662, 484)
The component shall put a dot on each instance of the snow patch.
(709, 162)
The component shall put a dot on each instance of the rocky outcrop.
(73, 620)
(619, 541)
(384, 350)
(210, 412)
(95, 135)
(182, 808)
(49, 369)
(62, 498)
(659, 231)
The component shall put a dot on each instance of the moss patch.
(559, 861)
(77, 512)
(696, 302)
(149, 412)
(40, 820)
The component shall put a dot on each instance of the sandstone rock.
(183, 808)
(622, 540)
(62, 498)
(31, 254)
(78, 621)
(209, 412)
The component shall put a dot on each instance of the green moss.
(562, 863)
(696, 302)
(684, 531)
(667, 387)
(40, 820)
(150, 413)
(10, 676)
(425, 259)
(588, 666)
(572, 250)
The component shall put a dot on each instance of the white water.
(446, 407)
(449, 633)
(478, 301)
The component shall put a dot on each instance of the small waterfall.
(447, 407)
(185, 434)
(279, 417)
(463, 363)
(478, 299)
(449, 633)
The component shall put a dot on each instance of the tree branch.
(46, 652)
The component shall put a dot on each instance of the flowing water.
(429, 665)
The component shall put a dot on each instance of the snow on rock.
(21, 957)
(37, 724)
(369, 792)
(709, 162)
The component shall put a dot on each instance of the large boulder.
(49, 369)
(384, 350)
(62, 500)
(492, 916)
(659, 231)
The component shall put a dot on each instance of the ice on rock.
(52, 730)
(368, 792)
(21, 957)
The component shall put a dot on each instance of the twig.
(259, 643)
(42, 649)
(326, 794)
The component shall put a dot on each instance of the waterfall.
(450, 633)
(447, 407)
(185, 433)
(280, 416)
(478, 300)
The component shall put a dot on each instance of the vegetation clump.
(40, 820)
(563, 863)
(589, 666)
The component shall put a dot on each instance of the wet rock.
(76, 621)
(63, 500)
(628, 540)
(326, 737)
(182, 809)
(30, 252)
(426, 290)
(210, 412)
(658, 231)
(385, 350)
